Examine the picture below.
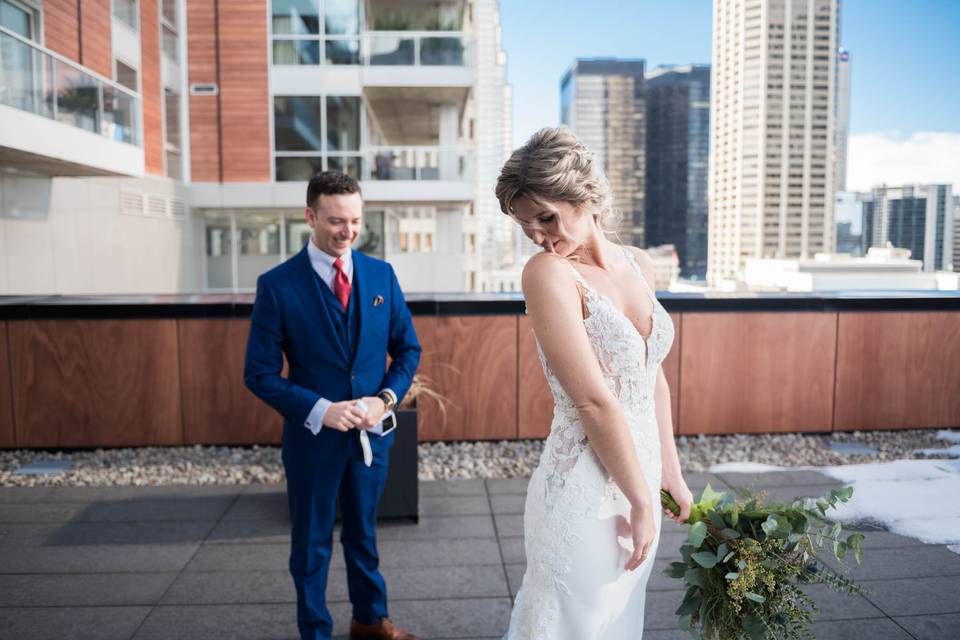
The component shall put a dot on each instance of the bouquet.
(744, 563)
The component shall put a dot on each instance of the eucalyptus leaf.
(689, 606)
(697, 577)
(733, 575)
(705, 559)
(697, 533)
(675, 569)
(733, 534)
(756, 597)
(684, 622)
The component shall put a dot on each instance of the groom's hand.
(375, 411)
(343, 416)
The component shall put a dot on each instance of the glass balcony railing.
(37, 80)
(421, 163)
(425, 48)
(375, 48)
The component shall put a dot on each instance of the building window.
(297, 123)
(170, 40)
(125, 75)
(297, 37)
(301, 148)
(125, 11)
(172, 144)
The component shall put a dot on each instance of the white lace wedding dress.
(575, 586)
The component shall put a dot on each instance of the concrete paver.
(159, 563)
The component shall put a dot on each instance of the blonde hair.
(554, 165)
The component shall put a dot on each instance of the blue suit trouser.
(317, 474)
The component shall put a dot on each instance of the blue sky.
(905, 54)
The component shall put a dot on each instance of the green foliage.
(744, 561)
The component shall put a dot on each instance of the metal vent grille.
(131, 203)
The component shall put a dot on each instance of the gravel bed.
(200, 465)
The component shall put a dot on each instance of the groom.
(335, 314)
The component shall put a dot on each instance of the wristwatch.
(389, 400)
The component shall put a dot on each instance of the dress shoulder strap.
(582, 283)
(636, 265)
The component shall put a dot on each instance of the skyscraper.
(842, 132)
(915, 217)
(602, 100)
(677, 149)
(772, 131)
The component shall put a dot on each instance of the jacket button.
(353, 376)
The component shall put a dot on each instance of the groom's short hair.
(330, 183)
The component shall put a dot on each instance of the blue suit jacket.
(290, 318)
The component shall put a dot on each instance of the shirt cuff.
(314, 420)
(392, 394)
(377, 429)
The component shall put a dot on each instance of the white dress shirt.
(322, 263)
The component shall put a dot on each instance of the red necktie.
(341, 284)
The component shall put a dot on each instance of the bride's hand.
(643, 532)
(678, 489)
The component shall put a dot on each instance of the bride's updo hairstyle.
(553, 165)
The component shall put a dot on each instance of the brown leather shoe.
(383, 630)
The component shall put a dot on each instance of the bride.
(592, 515)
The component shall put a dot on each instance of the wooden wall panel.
(202, 68)
(95, 25)
(472, 361)
(244, 91)
(6, 400)
(96, 383)
(898, 370)
(151, 90)
(60, 32)
(217, 407)
(757, 372)
(536, 401)
(671, 370)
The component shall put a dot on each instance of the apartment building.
(602, 101)
(919, 218)
(161, 146)
(678, 147)
(773, 116)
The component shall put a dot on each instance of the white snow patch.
(951, 451)
(915, 498)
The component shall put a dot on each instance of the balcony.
(417, 173)
(439, 59)
(398, 174)
(62, 119)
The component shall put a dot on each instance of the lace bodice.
(571, 539)
(629, 363)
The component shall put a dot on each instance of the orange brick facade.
(95, 52)
(60, 32)
(151, 91)
(202, 69)
(229, 133)
(244, 91)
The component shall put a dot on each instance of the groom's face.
(336, 221)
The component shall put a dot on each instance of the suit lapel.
(308, 288)
(358, 297)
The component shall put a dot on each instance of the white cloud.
(888, 157)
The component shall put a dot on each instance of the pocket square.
(377, 301)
